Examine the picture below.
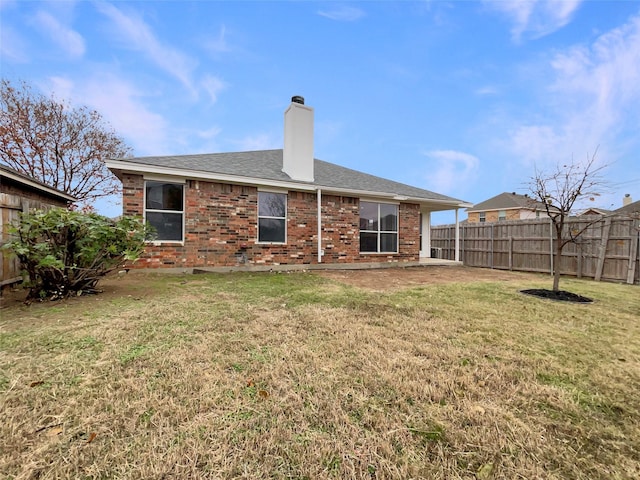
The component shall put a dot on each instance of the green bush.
(66, 252)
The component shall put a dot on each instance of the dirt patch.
(395, 278)
(134, 284)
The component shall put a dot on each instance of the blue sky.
(464, 98)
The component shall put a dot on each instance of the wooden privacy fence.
(607, 250)
(10, 207)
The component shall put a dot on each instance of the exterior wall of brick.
(221, 229)
(473, 217)
(340, 229)
(492, 216)
(513, 214)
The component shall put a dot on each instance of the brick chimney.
(297, 157)
(626, 200)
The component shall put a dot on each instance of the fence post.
(579, 261)
(633, 251)
(510, 253)
(462, 241)
(603, 249)
(551, 245)
(491, 245)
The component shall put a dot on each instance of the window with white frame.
(482, 217)
(272, 217)
(164, 209)
(502, 215)
(378, 227)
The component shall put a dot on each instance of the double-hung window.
(502, 215)
(164, 209)
(378, 227)
(482, 217)
(272, 217)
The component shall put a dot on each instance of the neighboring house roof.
(631, 208)
(264, 167)
(594, 211)
(31, 183)
(507, 201)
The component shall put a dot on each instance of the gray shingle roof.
(267, 165)
(631, 208)
(505, 201)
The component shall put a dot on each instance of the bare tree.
(60, 145)
(559, 190)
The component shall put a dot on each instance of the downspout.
(319, 225)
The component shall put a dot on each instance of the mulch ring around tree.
(559, 295)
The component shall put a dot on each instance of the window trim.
(482, 217)
(502, 218)
(174, 181)
(285, 218)
(379, 232)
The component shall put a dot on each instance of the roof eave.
(38, 186)
(131, 167)
(476, 209)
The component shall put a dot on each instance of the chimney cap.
(297, 99)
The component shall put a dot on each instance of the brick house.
(506, 206)
(274, 207)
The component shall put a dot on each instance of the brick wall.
(221, 229)
(492, 216)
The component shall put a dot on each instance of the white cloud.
(219, 44)
(608, 72)
(209, 133)
(536, 144)
(260, 141)
(121, 104)
(63, 36)
(136, 34)
(536, 17)
(487, 90)
(591, 94)
(61, 88)
(343, 13)
(449, 169)
(213, 86)
(7, 3)
(12, 45)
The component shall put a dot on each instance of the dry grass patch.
(299, 376)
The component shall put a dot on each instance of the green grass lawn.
(298, 376)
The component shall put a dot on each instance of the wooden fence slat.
(510, 253)
(603, 249)
(633, 254)
(579, 263)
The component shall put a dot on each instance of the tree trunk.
(556, 265)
